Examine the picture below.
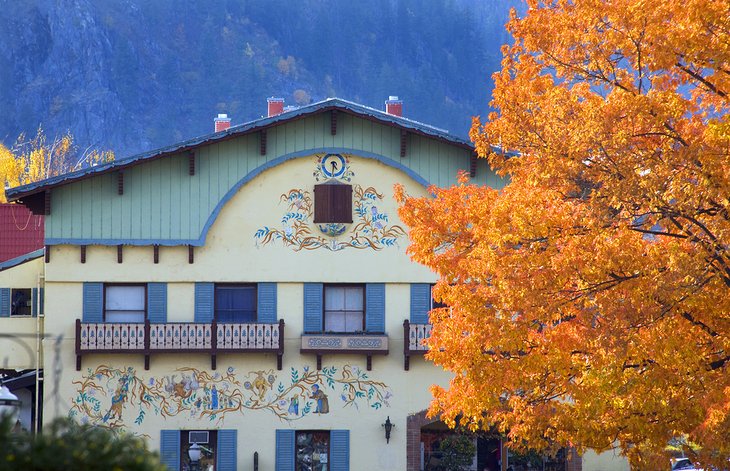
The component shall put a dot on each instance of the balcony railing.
(368, 344)
(178, 337)
(414, 336)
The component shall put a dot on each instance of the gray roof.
(246, 128)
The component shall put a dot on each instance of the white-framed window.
(125, 303)
(344, 308)
(312, 450)
(20, 302)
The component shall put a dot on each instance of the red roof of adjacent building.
(20, 231)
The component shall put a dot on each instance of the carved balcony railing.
(364, 343)
(414, 336)
(179, 337)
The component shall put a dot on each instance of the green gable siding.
(162, 204)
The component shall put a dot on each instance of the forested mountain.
(132, 75)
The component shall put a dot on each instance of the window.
(435, 304)
(332, 203)
(344, 308)
(235, 303)
(312, 451)
(20, 302)
(125, 303)
(207, 443)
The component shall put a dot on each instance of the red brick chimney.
(276, 106)
(394, 106)
(222, 122)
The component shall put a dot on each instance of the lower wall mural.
(117, 397)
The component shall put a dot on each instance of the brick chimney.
(394, 106)
(275, 106)
(222, 122)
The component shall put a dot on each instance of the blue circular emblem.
(333, 165)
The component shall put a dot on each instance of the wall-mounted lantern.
(388, 425)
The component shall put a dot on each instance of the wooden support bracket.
(120, 253)
(191, 254)
(47, 254)
(120, 183)
(156, 253)
(83, 254)
(370, 363)
(473, 165)
(319, 362)
(403, 138)
(333, 122)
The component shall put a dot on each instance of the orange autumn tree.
(589, 300)
(31, 160)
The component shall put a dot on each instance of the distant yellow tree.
(31, 160)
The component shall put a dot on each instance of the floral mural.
(112, 397)
(371, 228)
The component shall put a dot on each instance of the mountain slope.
(131, 75)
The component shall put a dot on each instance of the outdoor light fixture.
(194, 454)
(388, 427)
(9, 403)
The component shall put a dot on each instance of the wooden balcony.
(367, 344)
(414, 336)
(179, 337)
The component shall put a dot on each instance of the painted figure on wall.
(118, 399)
(323, 405)
(294, 405)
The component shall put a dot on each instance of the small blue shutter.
(285, 450)
(157, 302)
(41, 301)
(340, 450)
(227, 455)
(420, 302)
(313, 307)
(266, 299)
(34, 302)
(204, 294)
(170, 449)
(93, 308)
(4, 302)
(375, 307)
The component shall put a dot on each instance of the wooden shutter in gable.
(322, 206)
(332, 203)
(93, 305)
(285, 450)
(342, 203)
(375, 307)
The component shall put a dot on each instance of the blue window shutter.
(313, 307)
(204, 293)
(285, 450)
(157, 302)
(4, 302)
(420, 302)
(41, 301)
(93, 308)
(34, 302)
(266, 298)
(170, 449)
(226, 459)
(375, 307)
(340, 450)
